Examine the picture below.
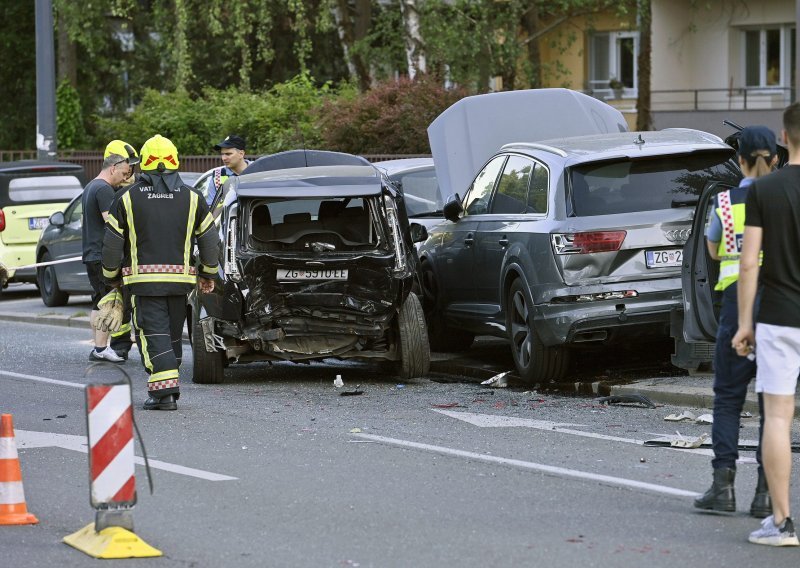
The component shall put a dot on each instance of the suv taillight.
(2, 221)
(583, 243)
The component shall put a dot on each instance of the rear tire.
(535, 363)
(209, 368)
(46, 279)
(415, 353)
(442, 338)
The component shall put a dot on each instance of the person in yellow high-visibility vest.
(732, 374)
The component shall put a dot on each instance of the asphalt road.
(436, 472)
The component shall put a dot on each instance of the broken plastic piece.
(354, 392)
(685, 415)
(338, 382)
(705, 419)
(688, 443)
(498, 381)
(626, 398)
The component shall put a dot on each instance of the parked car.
(319, 263)
(189, 178)
(560, 242)
(30, 191)
(416, 178)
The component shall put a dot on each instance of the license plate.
(37, 223)
(291, 274)
(661, 258)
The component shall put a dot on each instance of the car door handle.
(469, 240)
(503, 242)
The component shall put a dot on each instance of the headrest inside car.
(297, 218)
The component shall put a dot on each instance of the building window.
(769, 57)
(612, 56)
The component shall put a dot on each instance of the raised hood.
(465, 135)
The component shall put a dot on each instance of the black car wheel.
(441, 337)
(208, 368)
(415, 353)
(47, 280)
(534, 362)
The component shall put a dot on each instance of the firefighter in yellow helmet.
(118, 160)
(150, 236)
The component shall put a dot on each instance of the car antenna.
(639, 141)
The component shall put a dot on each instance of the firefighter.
(150, 236)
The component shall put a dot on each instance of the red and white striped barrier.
(110, 426)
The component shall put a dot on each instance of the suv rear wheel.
(415, 353)
(209, 368)
(534, 362)
(442, 338)
(48, 284)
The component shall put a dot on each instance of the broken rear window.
(626, 186)
(295, 224)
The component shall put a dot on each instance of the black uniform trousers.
(158, 324)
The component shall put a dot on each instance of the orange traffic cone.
(13, 510)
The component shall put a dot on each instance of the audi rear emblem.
(678, 235)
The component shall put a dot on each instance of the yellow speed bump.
(110, 543)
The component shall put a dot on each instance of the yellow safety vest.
(730, 246)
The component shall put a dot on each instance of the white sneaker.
(772, 535)
(106, 354)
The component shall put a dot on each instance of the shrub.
(69, 118)
(392, 118)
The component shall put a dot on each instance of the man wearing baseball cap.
(231, 151)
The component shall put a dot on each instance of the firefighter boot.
(720, 496)
(762, 504)
(163, 403)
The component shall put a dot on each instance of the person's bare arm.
(713, 249)
(745, 339)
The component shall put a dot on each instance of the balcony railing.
(741, 98)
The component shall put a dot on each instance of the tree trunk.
(352, 24)
(415, 47)
(530, 25)
(644, 119)
(67, 55)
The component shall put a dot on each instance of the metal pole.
(796, 52)
(45, 82)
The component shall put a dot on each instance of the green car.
(30, 191)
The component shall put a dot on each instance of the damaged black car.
(318, 262)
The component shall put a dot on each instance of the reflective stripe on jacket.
(730, 209)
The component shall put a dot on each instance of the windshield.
(420, 192)
(649, 184)
(29, 189)
(350, 223)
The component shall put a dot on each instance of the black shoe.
(163, 403)
(720, 496)
(761, 506)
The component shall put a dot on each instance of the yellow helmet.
(159, 150)
(122, 148)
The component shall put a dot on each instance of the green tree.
(69, 117)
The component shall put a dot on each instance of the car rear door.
(699, 274)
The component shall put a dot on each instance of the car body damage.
(318, 262)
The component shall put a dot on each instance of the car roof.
(403, 165)
(625, 145)
(314, 181)
(303, 158)
(473, 129)
(36, 165)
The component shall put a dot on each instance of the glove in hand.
(109, 318)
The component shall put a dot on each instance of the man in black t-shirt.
(772, 224)
(119, 159)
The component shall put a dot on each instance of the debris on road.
(689, 443)
(338, 382)
(626, 399)
(705, 419)
(448, 405)
(746, 414)
(354, 392)
(355, 430)
(499, 381)
(683, 416)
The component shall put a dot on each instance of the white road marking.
(29, 439)
(43, 380)
(494, 421)
(559, 471)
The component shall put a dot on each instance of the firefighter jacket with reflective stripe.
(729, 206)
(150, 237)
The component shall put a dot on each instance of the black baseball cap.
(232, 141)
(756, 138)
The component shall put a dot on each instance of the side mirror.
(418, 232)
(452, 209)
(57, 219)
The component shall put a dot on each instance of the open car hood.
(471, 130)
